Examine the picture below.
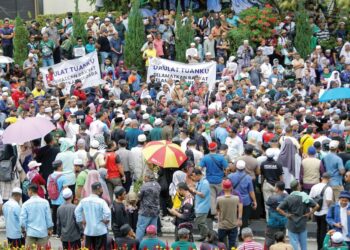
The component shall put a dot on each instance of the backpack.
(52, 187)
(8, 160)
(91, 161)
(319, 198)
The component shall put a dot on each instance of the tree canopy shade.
(20, 41)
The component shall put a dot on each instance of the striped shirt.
(250, 245)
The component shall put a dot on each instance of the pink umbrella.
(26, 130)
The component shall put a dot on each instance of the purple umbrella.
(26, 130)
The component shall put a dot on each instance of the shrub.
(78, 25)
(134, 38)
(20, 41)
(303, 31)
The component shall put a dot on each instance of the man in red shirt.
(18, 94)
(269, 134)
(78, 92)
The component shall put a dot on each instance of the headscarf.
(66, 145)
(32, 173)
(287, 155)
(334, 78)
(178, 176)
(92, 177)
(345, 53)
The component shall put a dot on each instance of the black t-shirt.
(119, 218)
(80, 114)
(46, 155)
(271, 170)
(104, 43)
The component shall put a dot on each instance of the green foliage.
(303, 32)
(260, 22)
(78, 25)
(328, 44)
(20, 41)
(183, 36)
(236, 37)
(135, 38)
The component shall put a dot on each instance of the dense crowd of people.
(258, 145)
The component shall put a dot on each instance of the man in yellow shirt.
(38, 91)
(149, 53)
(306, 141)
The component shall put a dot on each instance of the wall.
(63, 6)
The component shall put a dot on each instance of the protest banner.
(85, 68)
(163, 69)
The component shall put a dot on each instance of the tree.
(110, 5)
(183, 35)
(135, 37)
(20, 41)
(303, 31)
(78, 25)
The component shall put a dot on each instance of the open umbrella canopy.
(335, 94)
(5, 59)
(164, 154)
(28, 129)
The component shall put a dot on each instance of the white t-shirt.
(327, 195)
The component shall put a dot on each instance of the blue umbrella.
(335, 94)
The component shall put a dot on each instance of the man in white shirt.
(235, 145)
(266, 69)
(184, 139)
(322, 189)
(98, 127)
(71, 127)
(197, 155)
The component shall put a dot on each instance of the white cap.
(208, 54)
(67, 193)
(101, 100)
(195, 111)
(33, 164)
(78, 161)
(240, 164)
(48, 110)
(294, 122)
(94, 144)
(266, 100)
(97, 18)
(270, 152)
(193, 44)
(337, 237)
(145, 116)
(212, 122)
(246, 42)
(30, 55)
(149, 36)
(247, 118)
(141, 138)
(4, 89)
(264, 84)
(158, 121)
(308, 111)
(91, 17)
(57, 116)
(5, 94)
(16, 190)
(302, 109)
(127, 121)
(107, 19)
(334, 144)
(197, 38)
(222, 88)
(252, 87)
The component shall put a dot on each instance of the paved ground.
(56, 244)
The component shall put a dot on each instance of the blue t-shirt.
(333, 165)
(61, 182)
(90, 48)
(233, 21)
(221, 134)
(245, 186)
(215, 165)
(202, 205)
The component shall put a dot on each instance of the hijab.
(287, 155)
(178, 176)
(92, 177)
